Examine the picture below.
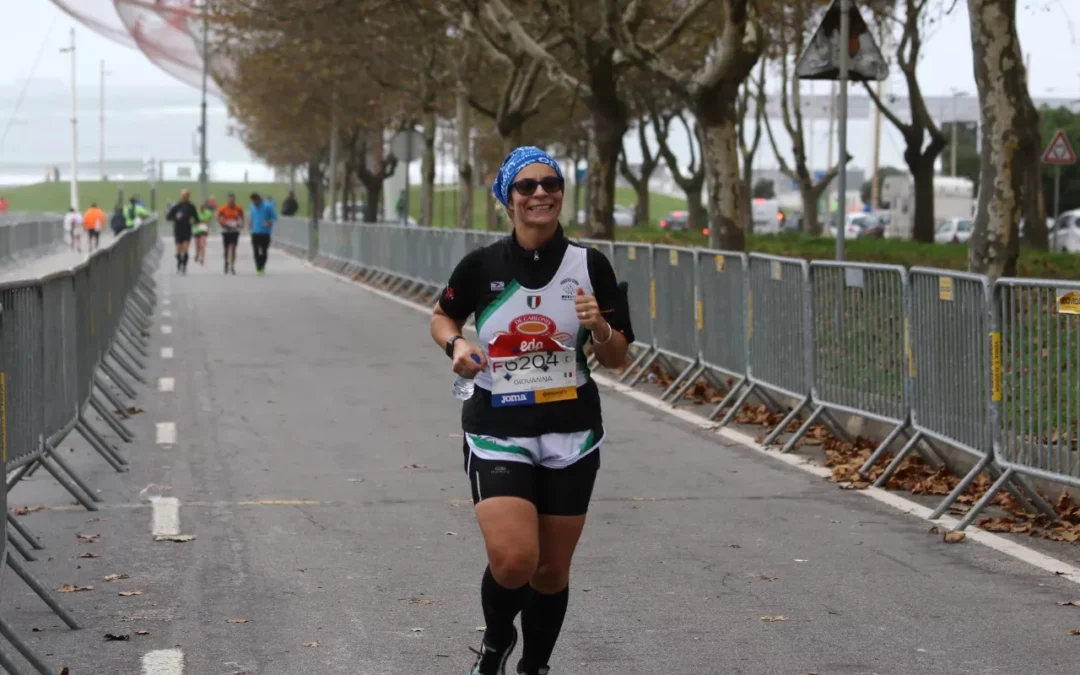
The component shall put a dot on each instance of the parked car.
(625, 216)
(953, 231)
(861, 226)
(1068, 232)
(679, 221)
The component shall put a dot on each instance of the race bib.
(529, 370)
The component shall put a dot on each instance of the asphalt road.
(317, 460)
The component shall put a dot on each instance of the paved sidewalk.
(318, 461)
(60, 257)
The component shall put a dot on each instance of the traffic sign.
(1060, 151)
(821, 59)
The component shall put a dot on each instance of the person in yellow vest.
(94, 222)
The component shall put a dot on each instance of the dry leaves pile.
(23, 510)
(914, 474)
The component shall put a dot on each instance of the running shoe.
(493, 661)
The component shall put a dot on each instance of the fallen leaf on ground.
(174, 537)
(954, 537)
(355, 480)
(773, 619)
(115, 577)
(1075, 631)
(88, 555)
(142, 632)
(72, 588)
(417, 630)
(480, 628)
(23, 510)
(766, 577)
(87, 538)
(419, 601)
(236, 620)
(122, 636)
(800, 560)
(1074, 603)
(128, 594)
(415, 466)
(313, 643)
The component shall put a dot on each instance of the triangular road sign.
(821, 60)
(1059, 151)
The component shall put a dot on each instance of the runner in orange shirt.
(94, 222)
(231, 219)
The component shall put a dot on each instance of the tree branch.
(889, 114)
(521, 37)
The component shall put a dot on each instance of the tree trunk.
(696, 218)
(372, 190)
(642, 208)
(1003, 97)
(720, 155)
(464, 167)
(427, 171)
(492, 212)
(746, 186)
(922, 219)
(314, 191)
(811, 219)
(1035, 232)
(609, 127)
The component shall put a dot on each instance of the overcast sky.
(1048, 32)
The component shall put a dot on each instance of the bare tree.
(692, 182)
(756, 91)
(640, 181)
(1008, 150)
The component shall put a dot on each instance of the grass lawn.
(53, 197)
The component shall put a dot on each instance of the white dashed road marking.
(166, 384)
(163, 662)
(166, 313)
(166, 518)
(166, 352)
(166, 433)
(166, 329)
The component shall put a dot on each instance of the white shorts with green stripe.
(553, 451)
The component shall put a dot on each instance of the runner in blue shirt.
(263, 216)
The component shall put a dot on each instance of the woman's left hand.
(588, 311)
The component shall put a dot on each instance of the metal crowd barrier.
(931, 353)
(28, 236)
(63, 339)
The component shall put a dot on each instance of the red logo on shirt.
(449, 293)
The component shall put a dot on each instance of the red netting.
(168, 32)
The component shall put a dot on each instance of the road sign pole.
(1057, 201)
(841, 208)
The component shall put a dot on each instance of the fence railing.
(64, 338)
(943, 358)
(25, 235)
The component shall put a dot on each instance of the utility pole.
(956, 95)
(875, 184)
(101, 122)
(74, 127)
(203, 166)
(841, 211)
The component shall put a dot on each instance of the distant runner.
(231, 219)
(262, 217)
(202, 231)
(184, 217)
(135, 213)
(73, 224)
(118, 223)
(94, 222)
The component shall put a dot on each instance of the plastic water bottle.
(463, 386)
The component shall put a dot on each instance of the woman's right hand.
(468, 360)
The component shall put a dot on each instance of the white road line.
(166, 301)
(166, 516)
(996, 542)
(163, 662)
(166, 352)
(166, 433)
(166, 384)
(166, 313)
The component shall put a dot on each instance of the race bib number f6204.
(528, 370)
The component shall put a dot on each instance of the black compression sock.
(541, 621)
(501, 605)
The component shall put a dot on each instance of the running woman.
(533, 427)
(184, 218)
(73, 224)
(202, 232)
(231, 219)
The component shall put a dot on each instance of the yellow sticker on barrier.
(673, 257)
(945, 290)
(777, 271)
(699, 314)
(631, 253)
(908, 351)
(719, 263)
(652, 298)
(995, 365)
(1069, 303)
(3, 418)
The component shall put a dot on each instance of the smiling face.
(540, 209)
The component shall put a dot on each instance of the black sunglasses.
(527, 186)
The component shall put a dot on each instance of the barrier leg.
(47, 597)
(838, 429)
(99, 444)
(24, 532)
(32, 658)
(18, 547)
(635, 363)
(790, 445)
(985, 501)
(643, 369)
(963, 485)
(110, 397)
(20, 473)
(128, 368)
(864, 470)
(737, 405)
(135, 339)
(52, 454)
(786, 421)
(119, 381)
(111, 420)
(883, 479)
(134, 316)
(86, 502)
(688, 376)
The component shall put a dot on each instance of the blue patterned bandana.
(515, 162)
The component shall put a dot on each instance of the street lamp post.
(74, 127)
(101, 121)
(203, 168)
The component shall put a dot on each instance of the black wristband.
(450, 345)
